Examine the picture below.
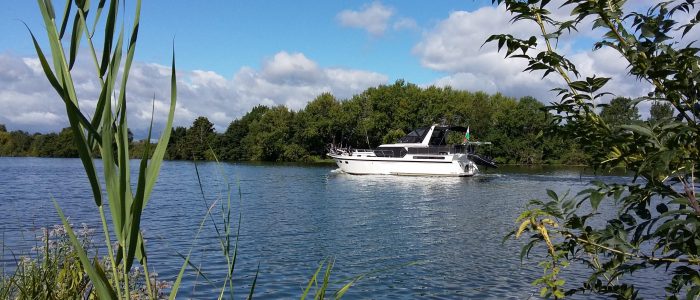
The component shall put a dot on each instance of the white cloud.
(26, 97)
(286, 68)
(454, 46)
(373, 18)
(28, 102)
(36, 117)
(405, 23)
(292, 79)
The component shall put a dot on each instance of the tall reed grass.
(106, 134)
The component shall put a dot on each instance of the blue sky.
(223, 36)
(233, 55)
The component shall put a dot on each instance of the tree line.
(516, 127)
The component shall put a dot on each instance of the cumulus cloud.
(29, 103)
(454, 47)
(25, 96)
(292, 79)
(373, 18)
(376, 19)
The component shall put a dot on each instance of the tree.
(660, 111)
(176, 144)
(620, 111)
(15, 143)
(393, 135)
(199, 139)
(64, 146)
(317, 125)
(130, 135)
(44, 145)
(657, 220)
(3, 128)
(270, 135)
(232, 146)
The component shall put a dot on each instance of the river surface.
(412, 237)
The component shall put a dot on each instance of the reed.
(105, 133)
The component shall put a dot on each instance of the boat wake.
(337, 171)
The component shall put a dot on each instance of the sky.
(234, 55)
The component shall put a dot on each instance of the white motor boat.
(422, 152)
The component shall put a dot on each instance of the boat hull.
(450, 165)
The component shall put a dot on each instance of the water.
(449, 229)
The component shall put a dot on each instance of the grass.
(52, 270)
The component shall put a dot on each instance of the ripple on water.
(412, 237)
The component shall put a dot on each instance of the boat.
(422, 152)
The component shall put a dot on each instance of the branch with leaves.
(657, 211)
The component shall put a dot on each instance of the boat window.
(415, 136)
(438, 137)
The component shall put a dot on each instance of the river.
(413, 237)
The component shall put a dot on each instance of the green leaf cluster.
(657, 221)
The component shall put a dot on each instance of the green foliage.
(620, 111)
(660, 111)
(320, 285)
(198, 139)
(384, 113)
(294, 152)
(392, 136)
(270, 133)
(67, 148)
(20, 143)
(656, 225)
(231, 142)
(376, 116)
(108, 134)
(137, 149)
(176, 144)
(53, 270)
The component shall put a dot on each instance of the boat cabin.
(425, 140)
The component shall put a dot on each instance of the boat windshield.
(415, 136)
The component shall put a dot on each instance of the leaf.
(596, 197)
(581, 86)
(312, 281)
(642, 130)
(99, 281)
(109, 36)
(159, 153)
(76, 36)
(525, 250)
(661, 208)
(66, 15)
(64, 86)
(522, 227)
(255, 279)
